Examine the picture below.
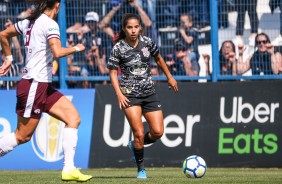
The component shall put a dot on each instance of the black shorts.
(148, 103)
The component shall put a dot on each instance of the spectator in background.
(273, 4)
(111, 22)
(227, 58)
(263, 61)
(97, 44)
(175, 66)
(242, 6)
(206, 58)
(189, 37)
(150, 6)
(93, 61)
(199, 9)
(224, 7)
(169, 15)
(8, 10)
(77, 9)
(154, 69)
(17, 53)
(181, 64)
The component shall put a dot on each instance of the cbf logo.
(48, 137)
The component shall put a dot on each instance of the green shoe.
(75, 175)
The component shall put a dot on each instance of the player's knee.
(138, 135)
(157, 134)
(74, 121)
(77, 120)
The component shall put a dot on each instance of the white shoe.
(277, 41)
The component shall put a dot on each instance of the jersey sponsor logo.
(137, 68)
(53, 29)
(37, 111)
(145, 52)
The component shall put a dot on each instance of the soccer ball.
(194, 167)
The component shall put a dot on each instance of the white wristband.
(9, 58)
(76, 48)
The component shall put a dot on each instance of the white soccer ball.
(194, 166)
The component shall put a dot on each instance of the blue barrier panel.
(44, 151)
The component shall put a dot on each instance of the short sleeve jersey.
(136, 78)
(39, 57)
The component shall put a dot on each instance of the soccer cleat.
(131, 147)
(75, 175)
(142, 174)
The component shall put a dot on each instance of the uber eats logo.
(231, 140)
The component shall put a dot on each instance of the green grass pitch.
(155, 176)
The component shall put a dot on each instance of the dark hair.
(261, 34)
(39, 6)
(124, 21)
(221, 58)
(179, 46)
(223, 43)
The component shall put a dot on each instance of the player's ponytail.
(124, 21)
(39, 6)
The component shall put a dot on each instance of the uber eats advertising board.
(229, 124)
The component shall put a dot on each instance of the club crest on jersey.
(146, 52)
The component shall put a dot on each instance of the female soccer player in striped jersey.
(35, 93)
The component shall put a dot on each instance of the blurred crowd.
(179, 27)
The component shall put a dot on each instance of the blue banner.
(44, 150)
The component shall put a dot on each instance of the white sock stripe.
(30, 99)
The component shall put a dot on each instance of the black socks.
(139, 157)
(147, 139)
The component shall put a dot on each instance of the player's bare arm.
(122, 100)
(5, 37)
(59, 51)
(161, 63)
